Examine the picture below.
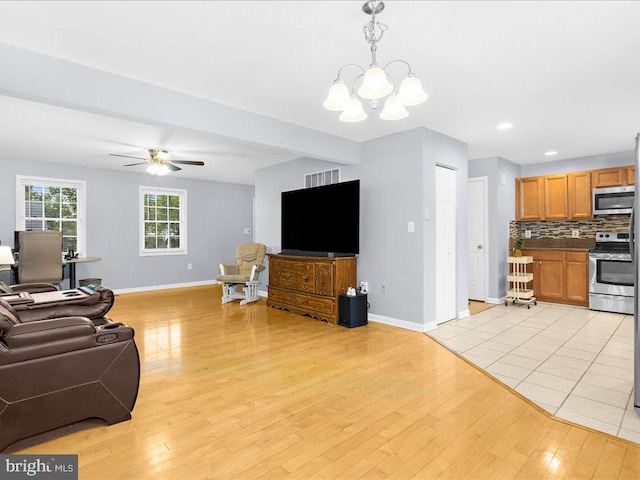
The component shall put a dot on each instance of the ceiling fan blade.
(128, 156)
(188, 162)
(173, 168)
(132, 164)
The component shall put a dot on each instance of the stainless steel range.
(611, 274)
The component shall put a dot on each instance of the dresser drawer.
(311, 303)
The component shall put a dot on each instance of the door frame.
(485, 180)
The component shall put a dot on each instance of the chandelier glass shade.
(375, 82)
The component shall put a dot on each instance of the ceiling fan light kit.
(375, 82)
(160, 162)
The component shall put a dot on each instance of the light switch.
(411, 227)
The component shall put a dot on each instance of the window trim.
(182, 193)
(79, 185)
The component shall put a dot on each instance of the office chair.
(240, 280)
(40, 257)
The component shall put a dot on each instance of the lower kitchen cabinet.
(560, 276)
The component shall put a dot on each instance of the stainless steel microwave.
(613, 200)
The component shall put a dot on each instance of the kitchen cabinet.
(579, 195)
(576, 277)
(608, 177)
(630, 175)
(554, 197)
(560, 276)
(556, 190)
(530, 198)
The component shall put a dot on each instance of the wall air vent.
(318, 179)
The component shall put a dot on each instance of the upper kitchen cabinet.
(612, 177)
(554, 197)
(579, 195)
(556, 205)
(630, 174)
(530, 198)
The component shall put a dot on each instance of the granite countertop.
(577, 244)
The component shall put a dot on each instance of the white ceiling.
(565, 74)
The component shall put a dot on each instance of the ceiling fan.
(159, 161)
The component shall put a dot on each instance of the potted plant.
(517, 245)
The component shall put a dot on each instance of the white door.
(476, 245)
(445, 244)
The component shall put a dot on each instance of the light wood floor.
(250, 392)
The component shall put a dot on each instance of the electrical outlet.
(364, 287)
(527, 234)
(383, 288)
(575, 233)
(189, 266)
(411, 227)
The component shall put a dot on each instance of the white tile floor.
(573, 362)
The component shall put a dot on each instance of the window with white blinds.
(163, 226)
(53, 204)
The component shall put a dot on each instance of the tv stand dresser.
(310, 285)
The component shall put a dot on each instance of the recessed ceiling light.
(551, 153)
(504, 126)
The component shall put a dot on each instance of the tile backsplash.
(563, 228)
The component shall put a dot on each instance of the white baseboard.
(464, 314)
(263, 293)
(395, 322)
(497, 301)
(165, 287)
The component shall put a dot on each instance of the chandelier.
(375, 82)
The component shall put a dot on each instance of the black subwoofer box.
(352, 310)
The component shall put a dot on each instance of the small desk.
(72, 267)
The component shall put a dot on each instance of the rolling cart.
(518, 279)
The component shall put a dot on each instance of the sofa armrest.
(34, 287)
(44, 331)
(229, 269)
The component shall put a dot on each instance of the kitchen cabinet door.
(551, 276)
(556, 205)
(607, 177)
(630, 175)
(577, 276)
(580, 195)
(530, 198)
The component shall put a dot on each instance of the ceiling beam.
(41, 78)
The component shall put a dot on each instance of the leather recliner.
(40, 304)
(61, 375)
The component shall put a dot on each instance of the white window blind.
(163, 221)
(53, 204)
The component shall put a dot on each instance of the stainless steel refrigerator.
(635, 234)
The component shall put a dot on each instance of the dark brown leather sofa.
(44, 301)
(62, 374)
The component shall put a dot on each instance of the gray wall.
(217, 215)
(397, 180)
(579, 164)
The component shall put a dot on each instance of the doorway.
(477, 238)
(445, 244)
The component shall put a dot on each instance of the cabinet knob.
(480, 247)
(304, 277)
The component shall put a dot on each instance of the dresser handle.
(287, 275)
(305, 287)
(304, 277)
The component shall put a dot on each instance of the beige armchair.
(240, 280)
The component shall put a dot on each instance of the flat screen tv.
(322, 221)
